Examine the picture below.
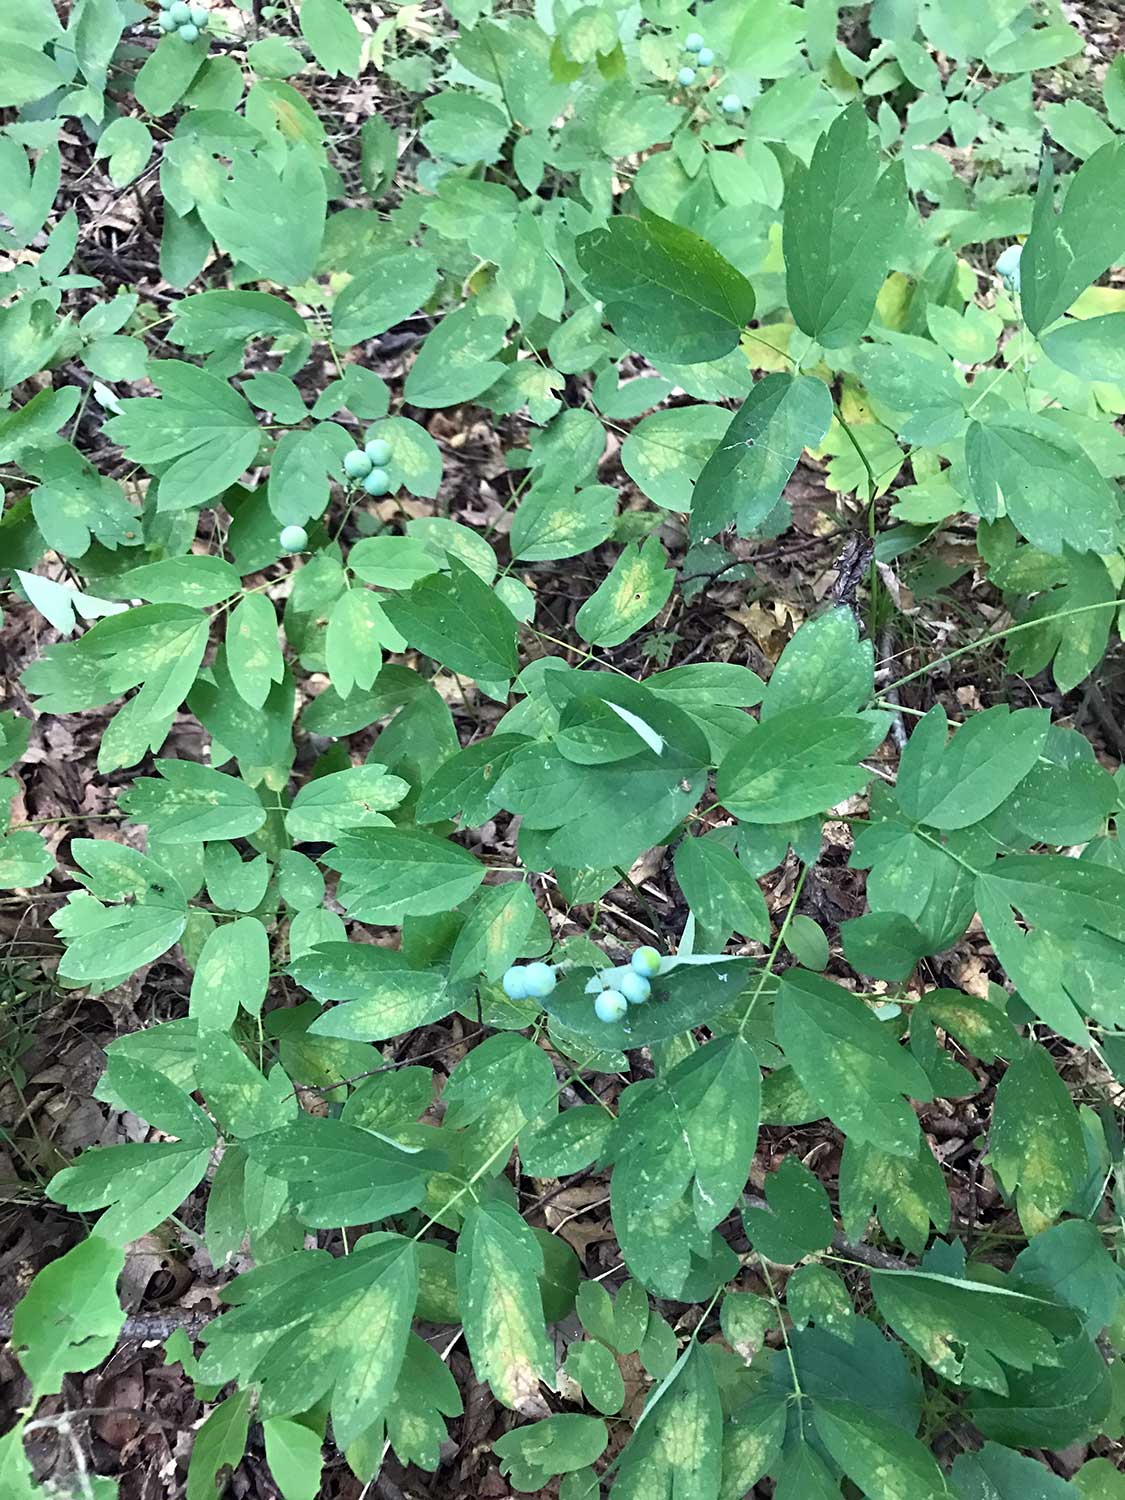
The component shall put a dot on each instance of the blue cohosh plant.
(588, 248)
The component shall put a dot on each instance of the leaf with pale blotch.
(752, 1439)
(356, 798)
(968, 1331)
(849, 1062)
(233, 970)
(747, 471)
(315, 1326)
(907, 1192)
(253, 652)
(634, 591)
(499, 1261)
(494, 933)
(1038, 1152)
(676, 1448)
(884, 1462)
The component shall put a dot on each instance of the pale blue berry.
(189, 33)
(377, 482)
(539, 978)
(610, 1006)
(378, 451)
(706, 57)
(514, 983)
(294, 539)
(731, 104)
(1008, 266)
(199, 16)
(180, 12)
(686, 76)
(357, 464)
(693, 42)
(646, 962)
(635, 987)
(166, 22)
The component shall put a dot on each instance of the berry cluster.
(731, 104)
(186, 20)
(366, 466)
(631, 988)
(529, 981)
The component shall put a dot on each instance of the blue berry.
(635, 987)
(180, 12)
(189, 33)
(610, 1006)
(294, 539)
(199, 16)
(706, 57)
(166, 22)
(731, 104)
(693, 42)
(357, 464)
(646, 962)
(377, 482)
(514, 983)
(539, 980)
(686, 76)
(1008, 266)
(378, 451)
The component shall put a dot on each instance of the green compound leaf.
(666, 452)
(1091, 348)
(219, 1444)
(721, 892)
(232, 970)
(997, 1473)
(1067, 1402)
(884, 1462)
(495, 933)
(556, 521)
(967, 1331)
(389, 873)
(499, 1261)
(907, 1193)
(668, 293)
(457, 619)
(798, 1221)
(191, 804)
(141, 1183)
(849, 1062)
(1067, 252)
(953, 783)
(381, 293)
(198, 434)
(342, 1174)
(532, 1455)
(253, 651)
(1048, 486)
(307, 1326)
(295, 1455)
(357, 798)
(676, 1448)
(843, 222)
(745, 475)
(271, 220)
(797, 763)
(1038, 1153)
(69, 1319)
(383, 994)
(635, 590)
(333, 36)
